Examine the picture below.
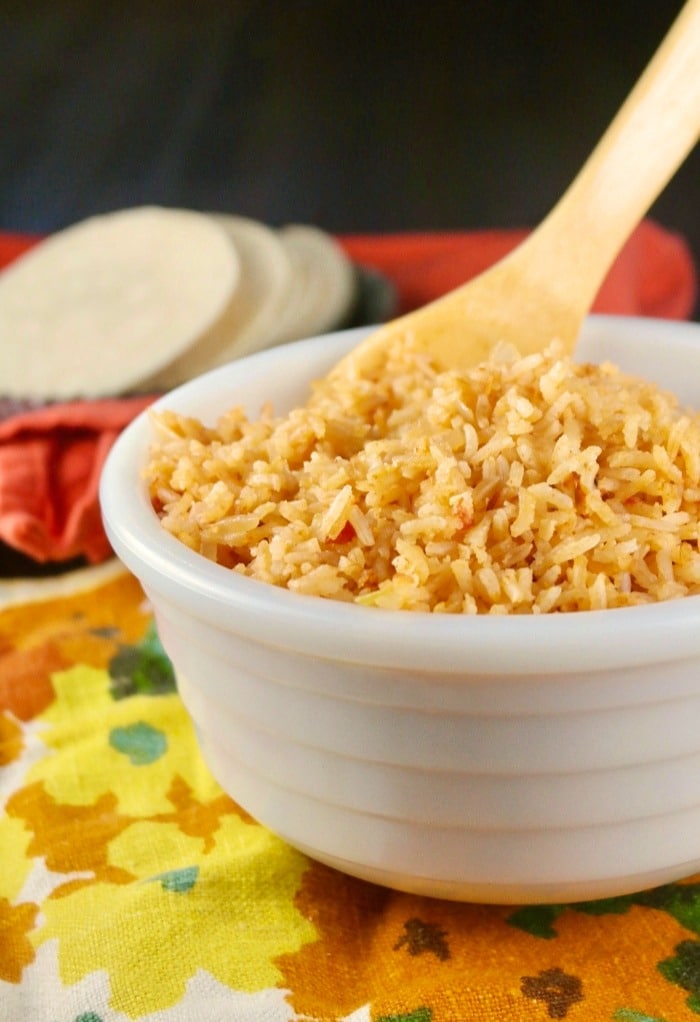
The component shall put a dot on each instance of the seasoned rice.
(528, 485)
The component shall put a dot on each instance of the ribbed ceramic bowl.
(500, 759)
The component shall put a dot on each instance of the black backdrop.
(361, 115)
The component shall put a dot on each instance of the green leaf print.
(143, 669)
(630, 1015)
(681, 901)
(419, 1015)
(141, 742)
(684, 970)
(179, 881)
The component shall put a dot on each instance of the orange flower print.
(11, 743)
(16, 921)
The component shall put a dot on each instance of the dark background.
(357, 116)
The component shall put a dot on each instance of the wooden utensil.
(546, 286)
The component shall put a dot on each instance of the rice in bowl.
(529, 485)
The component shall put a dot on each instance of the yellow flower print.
(101, 736)
(112, 765)
(198, 910)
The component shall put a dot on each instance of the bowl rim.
(546, 644)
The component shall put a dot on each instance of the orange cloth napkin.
(50, 460)
(50, 463)
(654, 275)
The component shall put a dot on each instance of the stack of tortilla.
(143, 299)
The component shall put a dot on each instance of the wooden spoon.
(545, 287)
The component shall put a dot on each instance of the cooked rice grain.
(529, 485)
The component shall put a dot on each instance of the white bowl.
(498, 759)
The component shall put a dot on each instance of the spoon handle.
(647, 141)
(545, 287)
